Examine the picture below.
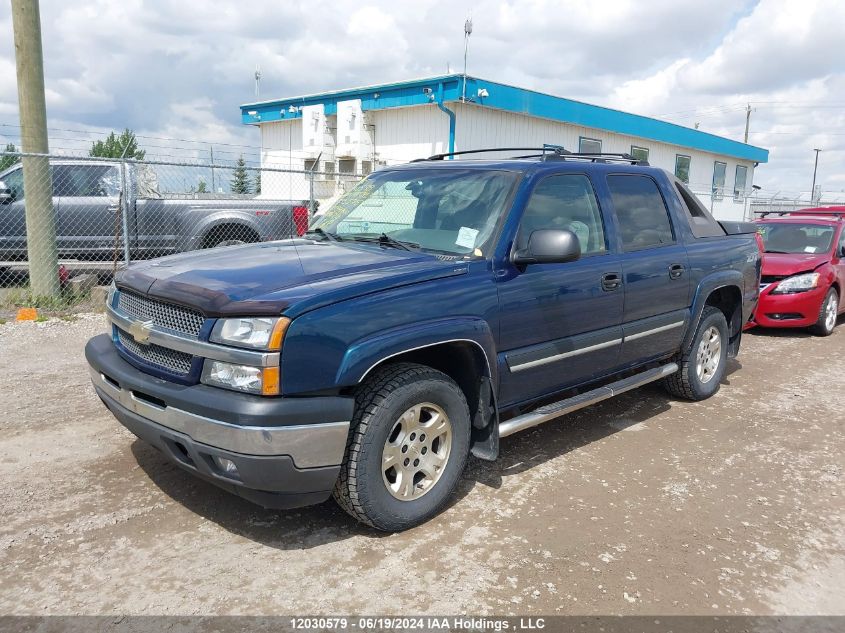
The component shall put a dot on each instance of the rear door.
(560, 324)
(86, 196)
(655, 269)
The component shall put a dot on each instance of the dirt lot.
(639, 505)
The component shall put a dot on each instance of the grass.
(23, 297)
(3, 321)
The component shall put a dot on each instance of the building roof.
(498, 96)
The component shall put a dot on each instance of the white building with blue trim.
(346, 133)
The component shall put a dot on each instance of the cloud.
(181, 70)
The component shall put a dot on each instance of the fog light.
(226, 465)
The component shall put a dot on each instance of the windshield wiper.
(385, 240)
(780, 252)
(331, 237)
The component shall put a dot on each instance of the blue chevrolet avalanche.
(435, 308)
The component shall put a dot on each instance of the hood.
(786, 264)
(289, 276)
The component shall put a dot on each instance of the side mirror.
(549, 246)
(6, 194)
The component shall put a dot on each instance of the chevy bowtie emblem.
(140, 331)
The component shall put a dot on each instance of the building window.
(589, 145)
(719, 169)
(346, 166)
(366, 167)
(682, 164)
(740, 182)
(640, 153)
(311, 164)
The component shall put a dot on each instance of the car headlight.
(798, 283)
(110, 296)
(254, 332)
(259, 380)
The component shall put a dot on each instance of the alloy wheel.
(709, 355)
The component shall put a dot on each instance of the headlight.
(798, 283)
(259, 380)
(255, 333)
(111, 294)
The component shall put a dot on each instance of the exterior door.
(560, 325)
(86, 196)
(13, 217)
(656, 269)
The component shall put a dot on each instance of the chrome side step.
(557, 409)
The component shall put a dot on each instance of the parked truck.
(437, 307)
(87, 204)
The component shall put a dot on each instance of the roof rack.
(547, 152)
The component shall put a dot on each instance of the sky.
(179, 70)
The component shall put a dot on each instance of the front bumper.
(287, 451)
(800, 309)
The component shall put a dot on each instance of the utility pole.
(467, 33)
(815, 169)
(38, 183)
(747, 121)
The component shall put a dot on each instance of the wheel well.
(462, 361)
(729, 300)
(230, 230)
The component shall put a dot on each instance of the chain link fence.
(98, 214)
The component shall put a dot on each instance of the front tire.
(407, 447)
(828, 314)
(702, 367)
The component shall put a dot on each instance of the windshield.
(796, 238)
(452, 211)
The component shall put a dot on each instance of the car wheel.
(407, 447)
(702, 367)
(827, 314)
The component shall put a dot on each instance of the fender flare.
(364, 355)
(191, 238)
(708, 285)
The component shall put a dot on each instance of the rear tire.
(407, 447)
(828, 314)
(702, 367)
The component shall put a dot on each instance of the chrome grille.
(169, 359)
(163, 315)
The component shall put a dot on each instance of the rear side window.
(701, 222)
(640, 212)
(565, 202)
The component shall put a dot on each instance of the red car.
(803, 270)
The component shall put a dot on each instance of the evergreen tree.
(6, 160)
(202, 187)
(125, 145)
(256, 183)
(240, 178)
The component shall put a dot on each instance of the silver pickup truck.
(86, 200)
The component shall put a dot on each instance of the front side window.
(719, 170)
(640, 212)
(565, 202)
(796, 238)
(448, 210)
(589, 145)
(740, 182)
(682, 164)
(14, 181)
(88, 180)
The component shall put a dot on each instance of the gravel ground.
(638, 505)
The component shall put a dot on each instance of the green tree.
(114, 146)
(5, 159)
(202, 187)
(256, 183)
(240, 178)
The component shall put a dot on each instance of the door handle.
(676, 270)
(611, 281)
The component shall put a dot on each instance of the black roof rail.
(548, 152)
(555, 149)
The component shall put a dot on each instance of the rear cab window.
(641, 212)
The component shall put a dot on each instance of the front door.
(560, 324)
(86, 196)
(13, 218)
(656, 275)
